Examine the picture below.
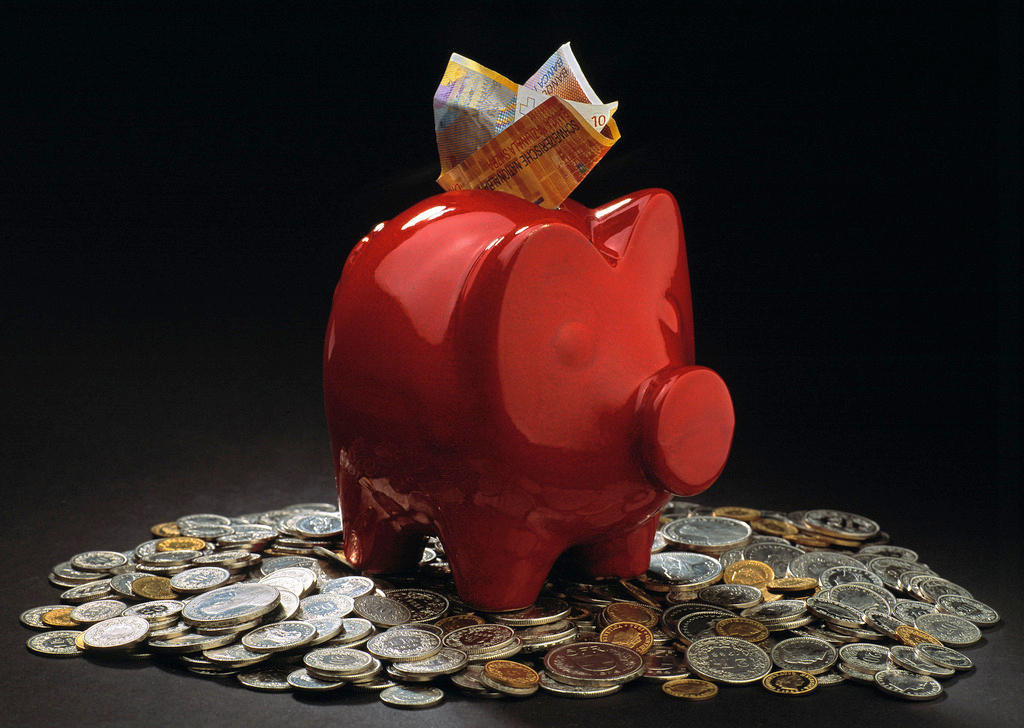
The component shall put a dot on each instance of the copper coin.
(690, 689)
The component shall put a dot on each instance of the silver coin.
(543, 611)
(169, 558)
(834, 613)
(836, 575)
(908, 610)
(895, 552)
(234, 603)
(707, 532)
(729, 557)
(269, 566)
(907, 658)
(337, 661)
(949, 629)
(968, 608)
(890, 570)
(663, 664)
(400, 645)
(931, 588)
(66, 572)
(812, 564)
(202, 519)
(776, 555)
(832, 677)
(98, 560)
(236, 654)
(350, 586)
(736, 596)
(671, 616)
(728, 660)
(297, 580)
(97, 611)
(944, 656)
(502, 653)
(779, 610)
(122, 584)
(279, 636)
(411, 696)
(858, 597)
(266, 678)
(302, 680)
(423, 604)
(850, 673)
(57, 643)
(908, 685)
(34, 617)
(87, 592)
(809, 654)
(190, 643)
(840, 524)
(327, 628)
(549, 685)
(468, 681)
(864, 657)
(354, 630)
(445, 662)
(883, 622)
(199, 579)
(155, 611)
(593, 664)
(175, 629)
(319, 525)
(227, 559)
(480, 638)
(382, 611)
(684, 567)
(659, 542)
(696, 624)
(119, 633)
(325, 605)
(543, 633)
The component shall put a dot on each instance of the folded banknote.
(537, 140)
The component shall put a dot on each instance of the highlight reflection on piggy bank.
(521, 383)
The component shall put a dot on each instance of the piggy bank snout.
(686, 429)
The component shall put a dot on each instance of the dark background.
(180, 188)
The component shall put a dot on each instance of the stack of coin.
(730, 594)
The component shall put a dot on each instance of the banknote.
(541, 158)
(474, 107)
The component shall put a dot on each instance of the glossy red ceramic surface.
(521, 383)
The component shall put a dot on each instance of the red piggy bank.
(521, 383)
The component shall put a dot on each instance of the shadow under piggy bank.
(521, 383)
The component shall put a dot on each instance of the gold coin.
(848, 543)
(806, 539)
(626, 612)
(154, 587)
(639, 594)
(774, 527)
(80, 641)
(180, 543)
(790, 682)
(792, 584)
(751, 573)
(59, 617)
(455, 621)
(165, 530)
(740, 514)
(912, 636)
(628, 634)
(690, 689)
(768, 596)
(742, 628)
(511, 674)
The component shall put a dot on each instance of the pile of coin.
(732, 596)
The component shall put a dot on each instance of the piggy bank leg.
(623, 555)
(497, 567)
(379, 536)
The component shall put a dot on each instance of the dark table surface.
(181, 189)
